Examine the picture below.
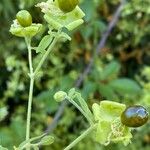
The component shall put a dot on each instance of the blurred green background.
(120, 73)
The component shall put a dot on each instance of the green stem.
(81, 137)
(31, 74)
(29, 109)
(81, 110)
(47, 53)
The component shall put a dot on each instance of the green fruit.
(24, 18)
(67, 5)
(134, 116)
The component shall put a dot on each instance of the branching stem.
(32, 76)
(46, 53)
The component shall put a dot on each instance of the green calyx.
(29, 31)
(110, 128)
(24, 18)
(23, 27)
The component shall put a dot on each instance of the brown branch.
(88, 68)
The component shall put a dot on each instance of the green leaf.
(111, 69)
(6, 137)
(89, 88)
(18, 127)
(47, 140)
(46, 40)
(88, 9)
(66, 82)
(46, 99)
(107, 91)
(125, 86)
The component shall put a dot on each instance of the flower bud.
(60, 96)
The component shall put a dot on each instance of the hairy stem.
(81, 137)
(29, 109)
(81, 110)
(31, 74)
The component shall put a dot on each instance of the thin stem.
(28, 41)
(82, 136)
(85, 107)
(31, 74)
(46, 53)
(81, 110)
(29, 109)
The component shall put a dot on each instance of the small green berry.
(24, 18)
(67, 5)
(134, 116)
(60, 96)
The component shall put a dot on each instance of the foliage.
(122, 62)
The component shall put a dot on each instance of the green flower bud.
(67, 5)
(60, 96)
(24, 18)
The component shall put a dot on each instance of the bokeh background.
(121, 72)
